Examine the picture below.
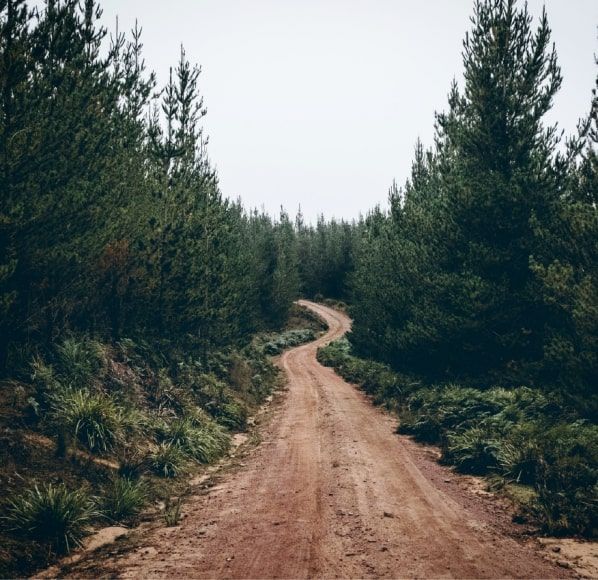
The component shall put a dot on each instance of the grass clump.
(566, 481)
(52, 515)
(218, 400)
(474, 450)
(123, 498)
(202, 443)
(80, 361)
(167, 460)
(231, 414)
(93, 420)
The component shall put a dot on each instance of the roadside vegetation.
(474, 296)
(138, 306)
(534, 446)
(101, 433)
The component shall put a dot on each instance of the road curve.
(330, 492)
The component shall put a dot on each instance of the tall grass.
(80, 361)
(167, 460)
(51, 514)
(203, 443)
(288, 339)
(123, 498)
(93, 420)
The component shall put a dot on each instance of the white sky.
(319, 102)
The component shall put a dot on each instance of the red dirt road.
(330, 492)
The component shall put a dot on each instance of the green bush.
(167, 460)
(231, 414)
(123, 498)
(436, 411)
(93, 420)
(52, 515)
(44, 377)
(567, 479)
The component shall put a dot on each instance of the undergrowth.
(523, 435)
(100, 431)
(51, 514)
(288, 339)
(123, 498)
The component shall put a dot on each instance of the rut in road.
(330, 492)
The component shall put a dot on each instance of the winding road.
(331, 491)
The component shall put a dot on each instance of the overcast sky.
(319, 102)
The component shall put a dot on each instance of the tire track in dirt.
(330, 492)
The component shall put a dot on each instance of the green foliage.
(232, 415)
(288, 339)
(483, 271)
(203, 443)
(474, 450)
(325, 257)
(167, 460)
(51, 514)
(93, 420)
(520, 455)
(519, 434)
(567, 478)
(45, 381)
(80, 361)
(123, 498)
(152, 250)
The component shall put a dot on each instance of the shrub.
(44, 377)
(220, 403)
(567, 479)
(166, 395)
(167, 460)
(437, 411)
(123, 498)
(52, 515)
(93, 420)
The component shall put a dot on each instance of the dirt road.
(330, 492)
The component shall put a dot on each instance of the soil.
(330, 491)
